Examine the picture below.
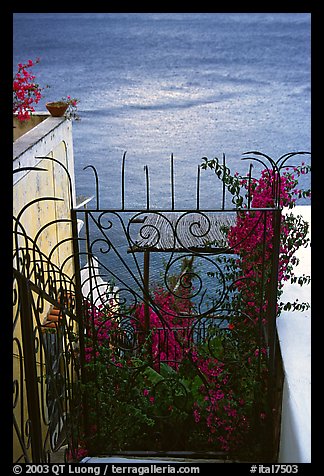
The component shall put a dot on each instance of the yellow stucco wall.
(52, 183)
(39, 222)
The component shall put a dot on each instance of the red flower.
(25, 91)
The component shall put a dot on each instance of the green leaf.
(153, 376)
(216, 347)
(167, 371)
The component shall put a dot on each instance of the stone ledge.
(34, 135)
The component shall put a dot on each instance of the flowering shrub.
(167, 326)
(252, 236)
(114, 403)
(221, 411)
(186, 399)
(100, 329)
(26, 92)
(181, 394)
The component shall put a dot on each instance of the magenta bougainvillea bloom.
(26, 92)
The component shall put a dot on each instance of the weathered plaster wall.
(51, 137)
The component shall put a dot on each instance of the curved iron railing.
(129, 326)
(46, 372)
(125, 339)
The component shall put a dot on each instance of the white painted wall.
(294, 331)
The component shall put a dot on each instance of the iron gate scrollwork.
(185, 362)
(46, 363)
(162, 338)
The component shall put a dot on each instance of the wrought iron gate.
(128, 363)
(186, 363)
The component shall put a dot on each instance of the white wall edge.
(294, 332)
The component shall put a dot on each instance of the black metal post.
(147, 187)
(198, 187)
(172, 182)
(123, 181)
(147, 295)
(272, 324)
(223, 186)
(249, 185)
(273, 289)
(97, 183)
(27, 331)
(79, 311)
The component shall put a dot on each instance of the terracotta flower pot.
(56, 109)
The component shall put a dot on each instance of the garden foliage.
(164, 388)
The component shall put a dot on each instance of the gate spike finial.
(147, 187)
(97, 182)
(123, 180)
(224, 190)
(172, 182)
(198, 187)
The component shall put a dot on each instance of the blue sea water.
(191, 84)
